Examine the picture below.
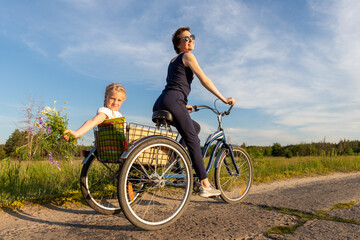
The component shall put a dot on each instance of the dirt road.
(293, 202)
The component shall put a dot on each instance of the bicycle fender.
(126, 154)
(88, 156)
(216, 164)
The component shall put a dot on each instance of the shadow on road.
(28, 217)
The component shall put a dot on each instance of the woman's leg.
(174, 102)
(184, 124)
(197, 129)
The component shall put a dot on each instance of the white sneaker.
(209, 192)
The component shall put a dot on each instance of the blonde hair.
(114, 87)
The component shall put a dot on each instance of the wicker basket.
(111, 141)
(151, 156)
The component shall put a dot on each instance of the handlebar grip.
(228, 111)
(195, 107)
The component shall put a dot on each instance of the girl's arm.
(87, 126)
(189, 60)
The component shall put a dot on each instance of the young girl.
(115, 95)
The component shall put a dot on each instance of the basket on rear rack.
(151, 156)
(112, 140)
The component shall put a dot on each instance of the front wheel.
(234, 174)
(155, 183)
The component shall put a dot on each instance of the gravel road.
(283, 203)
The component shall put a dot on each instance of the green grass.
(42, 182)
(38, 182)
(277, 168)
(303, 217)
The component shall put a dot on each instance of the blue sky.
(292, 66)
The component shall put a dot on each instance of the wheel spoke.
(98, 183)
(234, 185)
(160, 199)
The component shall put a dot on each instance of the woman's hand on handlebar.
(230, 101)
(190, 108)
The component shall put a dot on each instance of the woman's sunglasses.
(187, 38)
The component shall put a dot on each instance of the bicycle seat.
(162, 116)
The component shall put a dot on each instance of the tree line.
(342, 148)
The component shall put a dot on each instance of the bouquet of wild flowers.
(55, 123)
(46, 136)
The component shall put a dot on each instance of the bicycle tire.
(233, 186)
(98, 184)
(151, 170)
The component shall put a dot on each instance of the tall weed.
(37, 182)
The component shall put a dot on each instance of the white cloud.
(109, 56)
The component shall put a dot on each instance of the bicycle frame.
(92, 151)
(218, 136)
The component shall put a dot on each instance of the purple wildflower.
(41, 121)
(29, 130)
(52, 162)
(58, 165)
(50, 158)
(48, 128)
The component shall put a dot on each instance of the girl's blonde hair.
(114, 87)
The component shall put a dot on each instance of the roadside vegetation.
(278, 168)
(43, 182)
(39, 182)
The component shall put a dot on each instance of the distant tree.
(267, 151)
(288, 153)
(2, 151)
(15, 140)
(32, 128)
(313, 151)
(349, 151)
(276, 150)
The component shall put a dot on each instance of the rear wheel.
(98, 183)
(155, 183)
(234, 174)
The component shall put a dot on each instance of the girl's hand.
(66, 136)
(230, 101)
(190, 108)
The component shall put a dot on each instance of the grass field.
(277, 168)
(42, 182)
(38, 182)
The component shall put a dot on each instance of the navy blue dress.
(174, 99)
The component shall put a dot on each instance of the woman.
(174, 99)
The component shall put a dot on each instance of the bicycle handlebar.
(214, 110)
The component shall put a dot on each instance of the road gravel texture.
(267, 206)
